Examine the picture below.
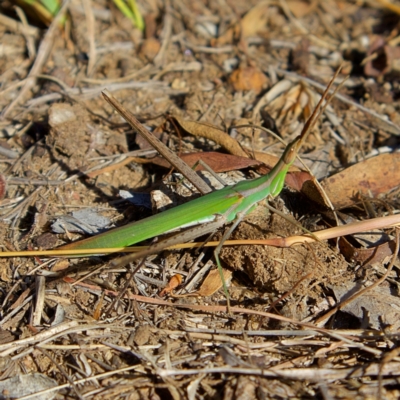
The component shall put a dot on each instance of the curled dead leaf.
(213, 133)
(288, 103)
(382, 58)
(173, 283)
(60, 265)
(366, 256)
(213, 282)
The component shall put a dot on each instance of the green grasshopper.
(206, 214)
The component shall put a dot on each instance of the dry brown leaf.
(296, 179)
(254, 21)
(213, 282)
(99, 306)
(314, 193)
(60, 265)
(218, 162)
(374, 176)
(213, 133)
(368, 256)
(173, 283)
(3, 186)
(248, 78)
(288, 104)
(20, 299)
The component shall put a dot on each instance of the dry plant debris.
(206, 77)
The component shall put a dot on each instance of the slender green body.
(226, 203)
(196, 211)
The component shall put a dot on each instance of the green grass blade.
(131, 11)
(139, 22)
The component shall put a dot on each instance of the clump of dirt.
(278, 270)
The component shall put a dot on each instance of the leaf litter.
(75, 153)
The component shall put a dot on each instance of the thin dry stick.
(315, 375)
(167, 153)
(50, 334)
(30, 42)
(16, 27)
(331, 233)
(40, 299)
(90, 23)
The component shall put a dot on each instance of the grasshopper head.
(291, 151)
(278, 173)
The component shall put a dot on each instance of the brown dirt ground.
(80, 323)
